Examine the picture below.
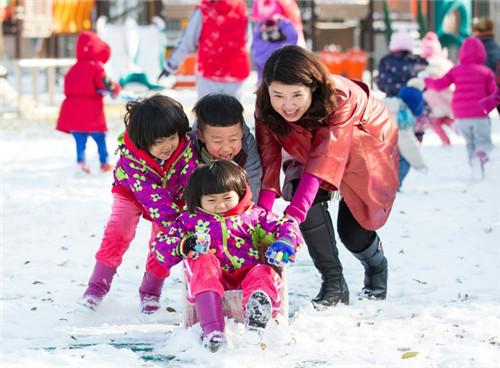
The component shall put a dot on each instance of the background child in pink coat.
(473, 82)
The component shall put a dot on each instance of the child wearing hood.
(400, 65)
(82, 111)
(438, 102)
(473, 82)
(269, 35)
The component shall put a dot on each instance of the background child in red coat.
(217, 32)
(82, 112)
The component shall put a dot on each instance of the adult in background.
(483, 28)
(340, 138)
(217, 31)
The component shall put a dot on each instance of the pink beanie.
(430, 45)
(266, 9)
(401, 41)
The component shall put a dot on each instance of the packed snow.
(442, 243)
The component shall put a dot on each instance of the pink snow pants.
(119, 233)
(204, 274)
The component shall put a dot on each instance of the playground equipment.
(136, 51)
(72, 16)
(442, 15)
(444, 8)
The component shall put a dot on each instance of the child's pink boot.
(258, 311)
(106, 167)
(477, 164)
(83, 167)
(99, 285)
(150, 292)
(210, 312)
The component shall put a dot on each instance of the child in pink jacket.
(157, 157)
(228, 243)
(473, 82)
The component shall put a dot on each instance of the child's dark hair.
(219, 176)
(152, 118)
(218, 110)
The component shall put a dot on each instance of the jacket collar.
(242, 206)
(150, 161)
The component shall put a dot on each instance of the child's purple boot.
(211, 315)
(99, 285)
(150, 292)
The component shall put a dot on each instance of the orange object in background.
(355, 63)
(333, 60)
(186, 74)
(350, 64)
(72, 16)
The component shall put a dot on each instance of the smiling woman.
(339, 138)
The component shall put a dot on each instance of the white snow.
(442, 242)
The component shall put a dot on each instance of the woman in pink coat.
(82, 112)
(473, 82)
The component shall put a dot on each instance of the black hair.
(218, 176)
(218, 110)
(294, 65)
(152, 118)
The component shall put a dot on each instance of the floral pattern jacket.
(158, 188)
(238, 238)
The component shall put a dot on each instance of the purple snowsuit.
(261, 49)
(237, 241)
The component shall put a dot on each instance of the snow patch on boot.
(258, 311)
(150, 304)
(213, 341)
(90, 301)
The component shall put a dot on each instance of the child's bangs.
(219, 183)
(165, 129)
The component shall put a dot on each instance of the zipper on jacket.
(224, 230)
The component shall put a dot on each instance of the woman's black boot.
(318, 233)
(376, 272)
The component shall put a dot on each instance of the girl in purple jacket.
(269, 35)
(226, 242)
(157, 156)
(473, 82)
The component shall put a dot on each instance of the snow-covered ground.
(442, 242)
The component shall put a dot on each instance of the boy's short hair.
(155, 117)
(218, 176)
(218, 110)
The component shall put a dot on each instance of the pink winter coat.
(83, 110)
(473, 80)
